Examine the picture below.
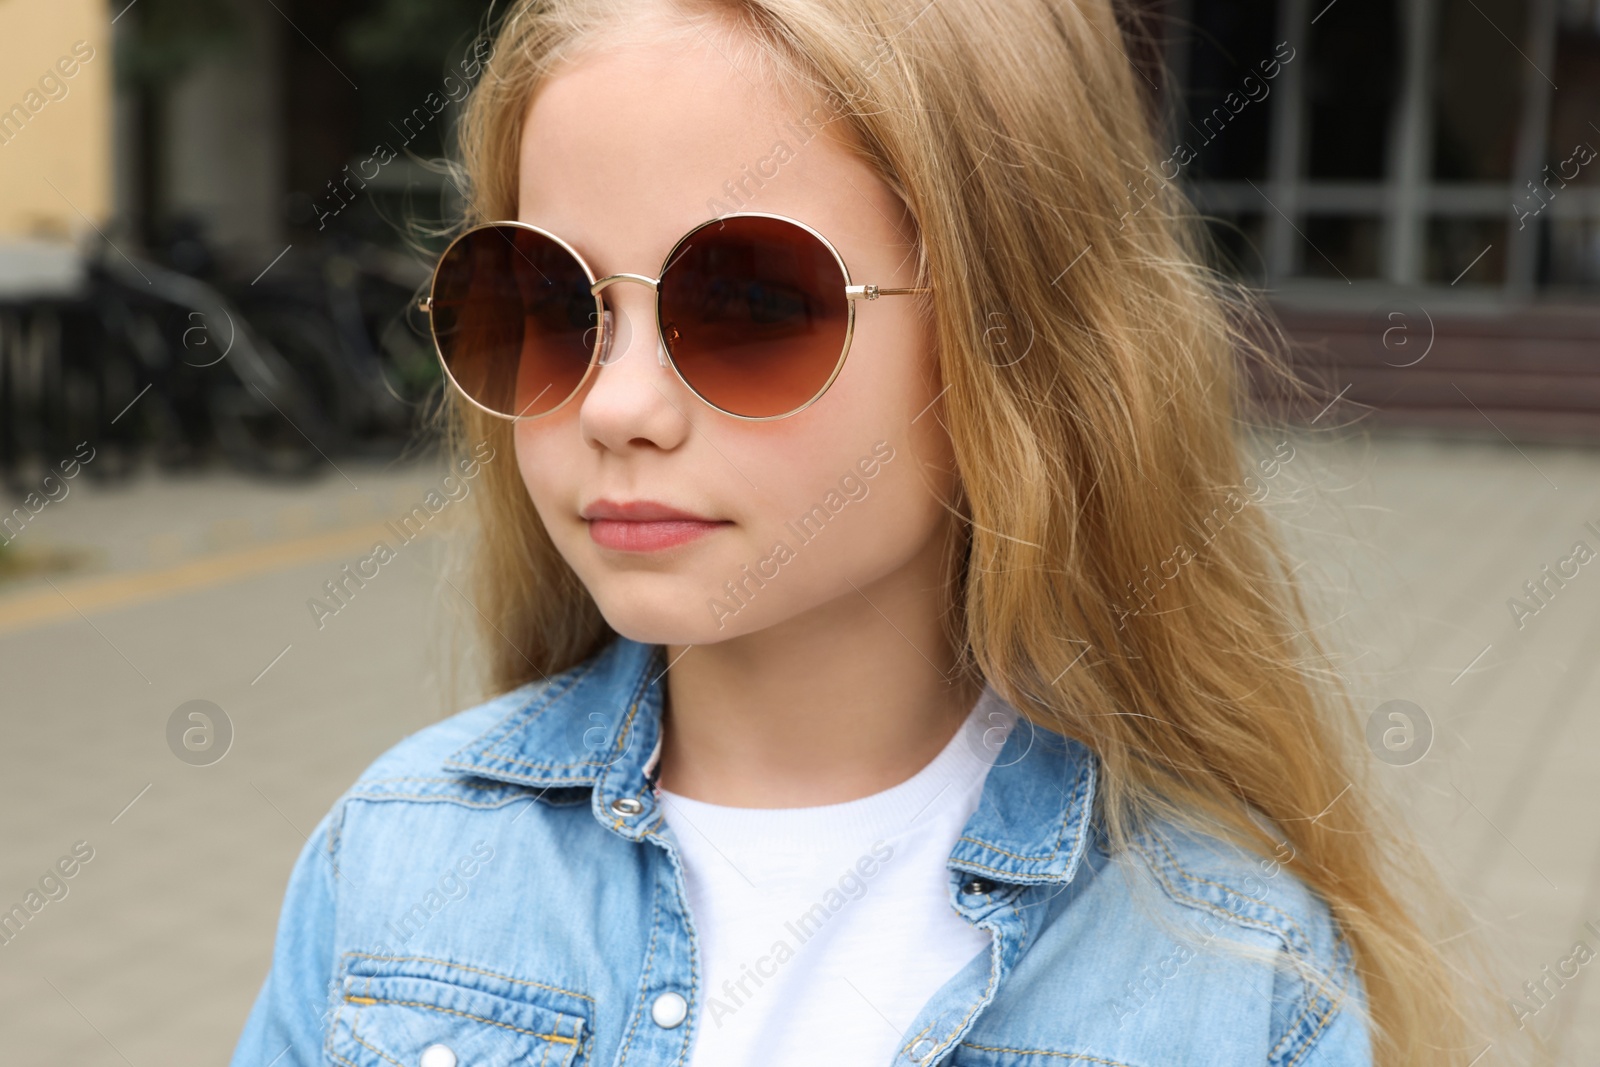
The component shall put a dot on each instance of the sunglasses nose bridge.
(612, 279)
(609, 320)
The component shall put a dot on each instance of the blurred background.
(214, 219)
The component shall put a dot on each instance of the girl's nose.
(629, 402)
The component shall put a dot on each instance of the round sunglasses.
(755, 313)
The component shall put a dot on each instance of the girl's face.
(622, 153)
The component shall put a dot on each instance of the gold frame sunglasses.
(736, 314)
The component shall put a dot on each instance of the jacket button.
(626, 806)
(669, 1010)
(437, 1056)
(977, 887)
(921, 1049)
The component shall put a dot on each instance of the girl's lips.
(648, 535)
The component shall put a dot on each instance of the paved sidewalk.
(156, 952)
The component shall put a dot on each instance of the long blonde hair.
(1090, 463)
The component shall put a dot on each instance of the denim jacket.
(501, 888)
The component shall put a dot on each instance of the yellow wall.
(67, 140)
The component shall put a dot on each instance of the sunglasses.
(755, 313)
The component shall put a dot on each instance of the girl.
(893, 667)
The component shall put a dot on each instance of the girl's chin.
(685, 617)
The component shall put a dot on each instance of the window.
(1431, 143)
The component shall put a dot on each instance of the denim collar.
(597, 726)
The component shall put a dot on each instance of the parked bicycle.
(280, 373)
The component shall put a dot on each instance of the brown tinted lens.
(754, 314)
(514, 319)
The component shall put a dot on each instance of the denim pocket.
(415, 1010)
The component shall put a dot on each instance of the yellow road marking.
(26, 611)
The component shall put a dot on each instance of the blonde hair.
(1011, 132)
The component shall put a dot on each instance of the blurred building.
(234, 118)
(1418, 185)
(1415, 183)
(55, 135)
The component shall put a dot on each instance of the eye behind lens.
(513, 319)
(754, 314)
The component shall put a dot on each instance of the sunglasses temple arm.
(872, 292)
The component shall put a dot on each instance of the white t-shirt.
(823, 931)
